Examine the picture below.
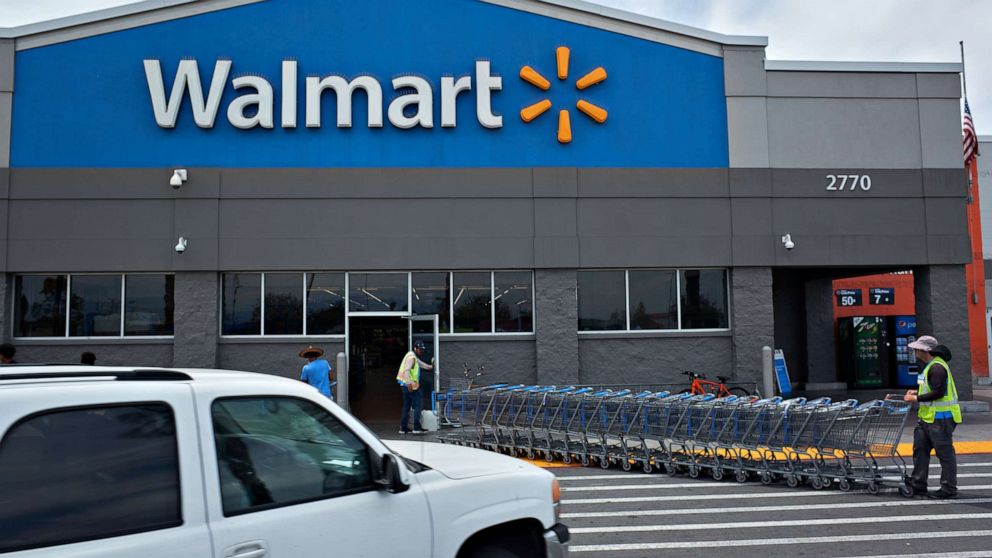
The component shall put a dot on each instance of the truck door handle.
(251, 549)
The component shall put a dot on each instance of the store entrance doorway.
(376, 346)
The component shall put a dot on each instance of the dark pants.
(938, 436)
(411, 400)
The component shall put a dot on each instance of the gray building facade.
(826, 170)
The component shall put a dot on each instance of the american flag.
(970, 137)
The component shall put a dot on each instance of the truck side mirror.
(390, 479)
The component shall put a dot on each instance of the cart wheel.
(566, 458)
(792, 481)
(816, 483)
(647, 467)
(530, 454)
(766, 478)
(549, 457)
(741, 476)
(604, 462)
(671, 469)
(693, 471)
(826, 481)
(625, 465)
(717, 473)
(844, 485)
(584, 460)
(906, 491)
(873, 488)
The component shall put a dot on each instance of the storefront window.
(149, 302)
(704, 299)
(431, 293)
(514, 301)
(601, 297)
(378, 292)
(473, 302)
(325, 303)
(95, 305)
(39, 305)
(242, 304)
(653, 300)
(283, 304)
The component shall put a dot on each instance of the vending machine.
(873, 351)
(904, 330)
(864, 354)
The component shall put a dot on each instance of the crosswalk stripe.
(766, 509)
(639, 476)
(663, 486)
(774, 524)
(971, 554)
(753, 495)
(781, 541)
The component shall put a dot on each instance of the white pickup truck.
(132, 463)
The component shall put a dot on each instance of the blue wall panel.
(85, 103)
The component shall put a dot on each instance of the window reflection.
(472, 302)
(95, 305)
(602, 302)
(283, 304)
(704, 299)
(325, 303)
(431, 293)
(514, 301)
(378, 292)
(242, 304)
(149, 304)
(653, 300)
(39, 305)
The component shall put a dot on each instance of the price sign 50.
(848, 297)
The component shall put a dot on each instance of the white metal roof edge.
(88, 17)
(145, 6)
(655, 23)
(898, 67)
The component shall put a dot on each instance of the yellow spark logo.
(533, 77)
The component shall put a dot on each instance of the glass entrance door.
(425, 329)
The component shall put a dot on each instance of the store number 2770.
(848, 182)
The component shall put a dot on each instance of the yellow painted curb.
(542, 463)
(961, 448)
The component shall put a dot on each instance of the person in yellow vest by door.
(939, 414)
(409, 380)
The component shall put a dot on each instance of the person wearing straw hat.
(317, 371)
(939, 414)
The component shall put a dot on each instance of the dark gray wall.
(652, 360)
(788, 292)
(820, 342)
(511, 361)
(557, 338)
(108, 352)
(753, 320)
(196, 319)
(942, 311)
(278, 357)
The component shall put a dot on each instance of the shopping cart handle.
(773, 400)
(871, 404)
(603, 393)
(643, 394)
(795, 401)
(496, 386)
(621, 393)
(582, 391)
(661, 394)
(704, 397)
(819, 402)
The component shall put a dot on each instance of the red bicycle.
(702, 386)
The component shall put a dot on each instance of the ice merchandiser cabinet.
(874, 351)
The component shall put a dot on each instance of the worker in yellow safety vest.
(939, 414)
(408, 378)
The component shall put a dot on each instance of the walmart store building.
(581, 195)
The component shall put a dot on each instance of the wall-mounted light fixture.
(179, 176)
(787, 242)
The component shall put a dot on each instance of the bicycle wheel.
(738, 391)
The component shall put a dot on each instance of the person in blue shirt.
(317, 371)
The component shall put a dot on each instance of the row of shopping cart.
(819, 441)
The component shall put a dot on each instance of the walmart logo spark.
(533, 77)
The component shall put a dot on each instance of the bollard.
(767, 372)
(342, 376)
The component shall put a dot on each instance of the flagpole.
(964, 76)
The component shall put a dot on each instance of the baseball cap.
(924, 343)
(419, 345)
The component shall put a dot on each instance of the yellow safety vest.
(414, 372)
(948, 403)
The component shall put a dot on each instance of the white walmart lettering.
(414, 107)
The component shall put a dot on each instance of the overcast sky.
(861, 30)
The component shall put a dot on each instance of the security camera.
(181, 245)
(179, 176)
(787, 242)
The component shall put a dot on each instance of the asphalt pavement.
(616, 514)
